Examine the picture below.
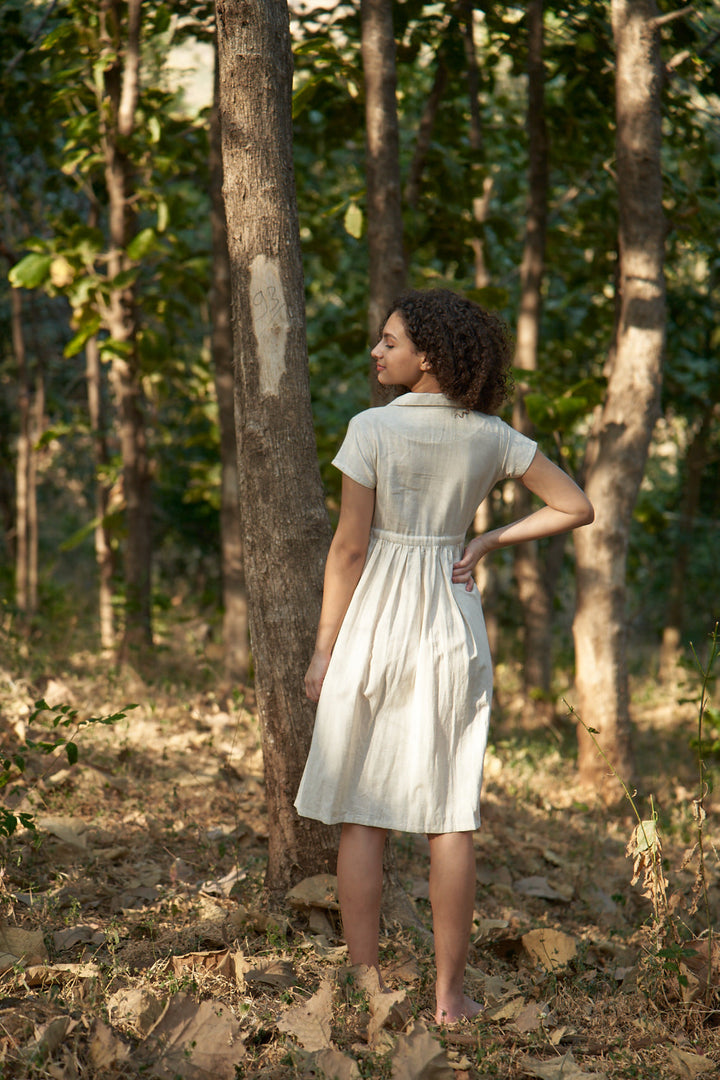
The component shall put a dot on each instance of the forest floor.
(136, 941)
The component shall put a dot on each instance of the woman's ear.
(425, 364)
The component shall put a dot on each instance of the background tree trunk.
(103, 545)
(122, 34)
(480, 203)
(533, 592)
(285, 525)
(22, 463)
(382, 168)
(235, 614)
(618, 447)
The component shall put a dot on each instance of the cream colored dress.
(402, 720)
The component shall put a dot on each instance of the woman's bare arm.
(566, 507)
(343, 568)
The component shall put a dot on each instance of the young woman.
(401, 669)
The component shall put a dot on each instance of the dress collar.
(425, 399)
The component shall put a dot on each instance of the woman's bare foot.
(449, 1012)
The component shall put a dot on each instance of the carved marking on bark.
(270, 322)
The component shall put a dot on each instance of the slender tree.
(235, 615)
(285, 526)
(534, 592)
(617, 450)
(382, 170)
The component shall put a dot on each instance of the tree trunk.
(480, 203)
(617, 450)
(103, 546)
(117, 125)
(533, 593)
(425, 130)
(22, 463)
(285, 526)
(695, 461)
(235, 615)
(382, 168)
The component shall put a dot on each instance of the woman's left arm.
(566, 507)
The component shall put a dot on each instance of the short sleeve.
(357, 457)
(519, 452)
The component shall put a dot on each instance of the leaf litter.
(136, 939)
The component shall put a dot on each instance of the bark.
(382, 168)
(22, 463)
(103, 546)
(285, 526)
(425, 130)
(695, 461)
(235, 615)
(117, 111)
(480, 203)
(533, 593)
(617, 450)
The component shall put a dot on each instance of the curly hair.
(469, 349)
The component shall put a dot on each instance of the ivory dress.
(402, 720)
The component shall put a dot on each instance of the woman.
(401, 669)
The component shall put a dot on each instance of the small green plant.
(64, 724)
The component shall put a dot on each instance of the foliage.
(64, 725)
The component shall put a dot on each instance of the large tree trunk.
(285, 526)
(122, 34)
(382, 168)
(103, 546)
(235, 614)
(480, 203)
(618, 448)
(533, 592)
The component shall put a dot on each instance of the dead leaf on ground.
(334, 1065)
(418, 1056)
(224, 963)
(320, 890)
(194, 1040)
(68, 829)
(106, 1048)
(224, 886)
(136, 1007)
(687, 1065)
(485, 928)
(310, 1023)
(17, 944)
(49, 1036)
(319, 922)
(404, 968)
(387, 1009)
(505, 1010)
(76, 935)
(550, 948)
(541, 887)
(278, 973)
(534, 1016)
(562, 1068)
(360, 977)
(48, 974)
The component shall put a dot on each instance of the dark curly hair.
(469, 349)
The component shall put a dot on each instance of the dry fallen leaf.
(68, 829)
(404, 968)
(75, 935)
(48, 1037)
(418, 1056)
(135, 1007)
(335, 1065)
(541, 887)
(310, 1023)
(561, 1068)
(550, 948)
(17, 944)
(687, 1065)
(317, 891)
(505, 1010)
(387, 1009)
(532, 1017)
(278, 973)
(222, 962)
(47, 974)
(106, 1049)
(194, 1040)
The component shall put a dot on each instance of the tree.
(382, 170)
(285, 527)
(619, 443)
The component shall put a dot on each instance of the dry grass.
(153, 848)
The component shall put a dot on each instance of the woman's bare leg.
(360, 878)
(452, 896)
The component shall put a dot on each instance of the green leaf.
(141, 244)
(72, 752)
(353, 220)
(90, 327)
(31, 271)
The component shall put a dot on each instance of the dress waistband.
(409, 540)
